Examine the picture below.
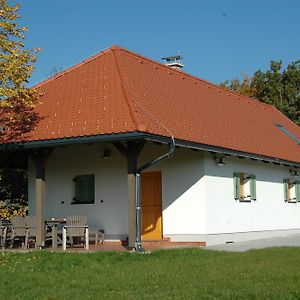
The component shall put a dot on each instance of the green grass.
(181, 274)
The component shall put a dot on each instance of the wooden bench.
(98, 234)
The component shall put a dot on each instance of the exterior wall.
(269, 213)
(110, 187)
(182, 188)
(198, 200)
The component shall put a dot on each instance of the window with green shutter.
(286, 189)
(253, 187)
(244, 186)
(237, 185)
(291, 190)
(84, 189)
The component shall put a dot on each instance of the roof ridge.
(134, 112)
(180, 72)
(137, 104)
(73, 67)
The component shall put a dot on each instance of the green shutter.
(237, 185)
(85, 189)
(91, 190)
(84, 182)
(286, 189)
(298, 190)
(253, 187)
(88, 189)
(78, 191)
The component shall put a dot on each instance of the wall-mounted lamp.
(294, 172)
(106, 154)
(220, 161)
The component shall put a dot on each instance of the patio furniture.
(30, 222)
(52, 224)
(5, 228)
(3, 232)
(76, 227)
(97, 234)
(18, 231)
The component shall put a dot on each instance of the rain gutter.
(163, 157)
(149, 137)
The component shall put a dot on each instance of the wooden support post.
(39, 157)
(40, 200)
(131, 152)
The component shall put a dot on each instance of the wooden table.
(53, 225)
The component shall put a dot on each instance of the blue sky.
(219, 39)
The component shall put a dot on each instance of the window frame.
(287, 182)
(80, 178)
(288, 133)
(239, 186)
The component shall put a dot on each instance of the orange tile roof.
(118, 91)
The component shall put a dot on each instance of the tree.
(16, 100)
(280, 88)
(13, 188)
(16, 66)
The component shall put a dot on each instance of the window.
(244, 186)
(291, 190)
(84, 189)
(288, 133)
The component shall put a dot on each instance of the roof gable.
(118, 91)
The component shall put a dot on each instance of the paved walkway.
(283, 241)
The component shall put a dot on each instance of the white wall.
(182, 188)
(197, 195)
(268, 212)
(110, 186)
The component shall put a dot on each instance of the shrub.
(7, 213)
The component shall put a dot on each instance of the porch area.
(148, 246)
(99, 180)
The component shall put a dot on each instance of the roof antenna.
(174, 62)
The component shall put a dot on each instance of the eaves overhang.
(226, 151)
(136, 135)
(102, 138)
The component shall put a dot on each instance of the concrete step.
(162, 243)
(166, 242)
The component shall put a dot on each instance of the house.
(212, 165)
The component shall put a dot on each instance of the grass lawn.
(181, 274)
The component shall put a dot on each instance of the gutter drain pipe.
(138, 243)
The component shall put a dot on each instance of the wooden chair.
(3, 234)
(30, 222)
(98, 235)
(76, 227)
(18, 231)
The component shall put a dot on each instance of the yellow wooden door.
(151, 206)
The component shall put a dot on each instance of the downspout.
(138, 243)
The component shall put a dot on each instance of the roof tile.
(118, 91)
